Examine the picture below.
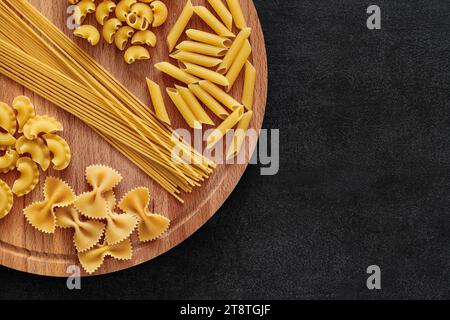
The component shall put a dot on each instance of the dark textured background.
(365, 170)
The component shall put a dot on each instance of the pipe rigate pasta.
(142, 10)
(151, 226)
(24, 109)
(137, 22)
(7, 119)
(36, 148)
(29, 177)
(103, 11)
(59, 150)
(6, 199)
(8, 161)
(41, 215)
(82, 9)
(41, 124)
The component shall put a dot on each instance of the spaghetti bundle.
(37, 55)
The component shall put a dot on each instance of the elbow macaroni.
(136, 53)
(88, 32)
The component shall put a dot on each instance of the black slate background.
(365, 170)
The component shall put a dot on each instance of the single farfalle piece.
(59, 149)
(119, 226)
(151, 226)
(7, 119)
(93, 259)
(29, 177)
(94, 204)
(36, 148)
(41, 124)
(24, 109)
(41, 215)
(8, 161)
(6, 199)
(87, 233)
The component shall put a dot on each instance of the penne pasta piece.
(209, 38)
(158, 102)
(183, 108)
(208, 101)
(202, 48)
(194, 105)
(238, 64)
(236, 12)
(234, 50)
(220, 95)
(196, 58)
(180, 25)
(224, 127)
(204, 73)
(222, 12)
(176, 73)
(213, 22)
(239, 135)
(249, 85)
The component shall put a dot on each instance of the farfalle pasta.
(41, 215)
(6, 199)
(151, 226)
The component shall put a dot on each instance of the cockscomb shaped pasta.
(6, 199)
(41, 124)
(123, 8)
(151, 226)
(160, 13)
(110, 28)
(119, 226)
(134, 53)
(144, 37)
(41, 215)
(89, 33)
(7, 119)
(94, 204)
(86, 233)
(24, 109)
(103, 11)
(59, 149)
(36, 148)
(7, 140)
(93, 259)
(29, 177)
(8, 161)
(122, 36)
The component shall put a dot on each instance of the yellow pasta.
(151, 226)
(184, 109)
(6, 199)
(8, 161)
(180, 25)
(224, 127)
(7, 140)
(231, 55)
(110, 28)
(93, 204)
(41, 124)
(176, 73)
(160, 13)
(123, 8)
(29, 177)
(158, 101)
(220, 95)
(7, 119)
(209, 101)
(104, 9)
(93, 259)
(142, 10)
(238, 64)
(239, 135)
(144, 37)
(202, 48)
(41, 215)
(122, 36)
(236, 12)
(82, 9)
(137, 22)
(60, 151)
(194, 105)
(24, 109)
(249, 85)
(213, 22)
(222, 12)
(209, 38)
(195, 58)
(36, 148)
(204, 73)
(87, 233)
(135, 53)
(90, 33)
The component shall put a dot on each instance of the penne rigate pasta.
(249, 85)
(202, 48)
(180, 25)
(209, 38)
(158, 101)
(209, 101)
(238, 64)
(239, 135)
(213, 22)
(236, 12)
(222, 11)
(183, 108)
(220, 95)
(176, 73)
(196, 58)
(194, 105)
(234, 50)
(204, 73)
(224, 127)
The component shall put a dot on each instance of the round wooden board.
(23, 248)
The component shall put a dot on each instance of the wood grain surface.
(23, 248)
